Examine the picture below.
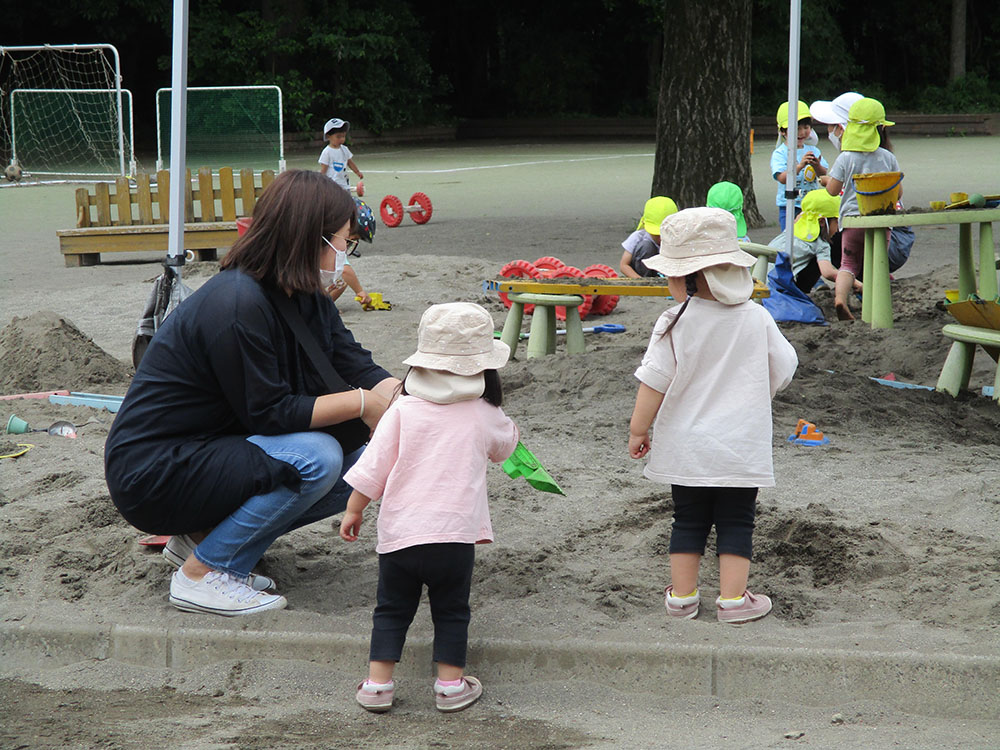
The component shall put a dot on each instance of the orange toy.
(807, 434)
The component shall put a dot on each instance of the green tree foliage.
(388, 63)
(366, 62)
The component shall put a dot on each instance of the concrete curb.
(946, 685)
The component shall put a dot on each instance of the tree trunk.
(703, 117)
(958, 16)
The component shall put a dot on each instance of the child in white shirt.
(337, 158)
(427, 461)
(707, 382)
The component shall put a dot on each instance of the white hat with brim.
(442, 387)
(698, 238)
(458, 337)
(835, 112)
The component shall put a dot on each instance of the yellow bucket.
(877, 192)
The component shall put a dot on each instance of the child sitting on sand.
(428, 464)
(644, 242)
(707, 383)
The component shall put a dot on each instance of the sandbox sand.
(887, 538)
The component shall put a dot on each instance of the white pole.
(791, 134)
(178, 137)
(121, 123)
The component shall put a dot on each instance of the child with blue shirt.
(810, 164)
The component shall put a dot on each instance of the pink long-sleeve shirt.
(427, 462)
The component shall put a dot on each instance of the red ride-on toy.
(392, 210)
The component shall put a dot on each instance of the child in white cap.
(706, 384)
(427, 461)
(337, 158)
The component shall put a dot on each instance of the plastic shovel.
(602, 328)
(522, 463)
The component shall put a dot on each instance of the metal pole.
(178, 137)
(791, 134)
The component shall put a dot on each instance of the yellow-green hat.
(655, 211)
(869, 112)
(728, 195)
(863, 119)
(816, 204)
(782, 116)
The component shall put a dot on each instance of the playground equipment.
(392, 209)
(549, 267)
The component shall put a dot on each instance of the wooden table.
(876, 300)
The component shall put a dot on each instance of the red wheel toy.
(391, 211)
(423, 215)
(569, 272)
(603, 303)
(519, 269)
(548, 263)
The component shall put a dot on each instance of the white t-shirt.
(336, 164)
(718, 369)
(634, 240)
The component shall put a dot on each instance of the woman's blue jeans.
(238, 542)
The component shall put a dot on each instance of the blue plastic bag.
(787, 302)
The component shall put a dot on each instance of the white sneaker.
(220, 594)
(180, 546)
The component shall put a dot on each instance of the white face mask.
(329, 278)
(834, 139)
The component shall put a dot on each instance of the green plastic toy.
(522, 463)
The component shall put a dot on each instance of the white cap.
(336, 124)
(835, 112)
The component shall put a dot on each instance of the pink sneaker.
(375, 698)
(458, 697)
(754, 607)
(685, 608)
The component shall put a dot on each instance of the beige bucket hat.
(704, 239)
(458, 337)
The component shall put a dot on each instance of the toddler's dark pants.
(730, 509)
(446, 570)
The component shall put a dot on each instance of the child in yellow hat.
(812, 256)
(644, 242)
(865, 148)
(809, 165)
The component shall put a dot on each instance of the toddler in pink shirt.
(427, 461)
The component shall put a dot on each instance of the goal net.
(237, 126)
(62, 111)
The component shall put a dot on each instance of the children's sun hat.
(863, 119)
(816, 205)
(704, 239)
(654, 212)
(728, 196)
(782, 116)
(335, 125)
(835, 112)
(457, 337)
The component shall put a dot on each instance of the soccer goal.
(63, 111)
(226, 126)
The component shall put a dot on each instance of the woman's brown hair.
(285, 239)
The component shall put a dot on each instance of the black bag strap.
(283, 303)
(353, 433)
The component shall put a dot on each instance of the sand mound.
(45, 351)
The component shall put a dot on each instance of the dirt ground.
(887, 538)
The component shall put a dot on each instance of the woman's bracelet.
(362, 392)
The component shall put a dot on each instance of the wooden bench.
(957, 368)
(124, 217)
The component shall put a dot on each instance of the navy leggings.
(730, 509)
(446, 570)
